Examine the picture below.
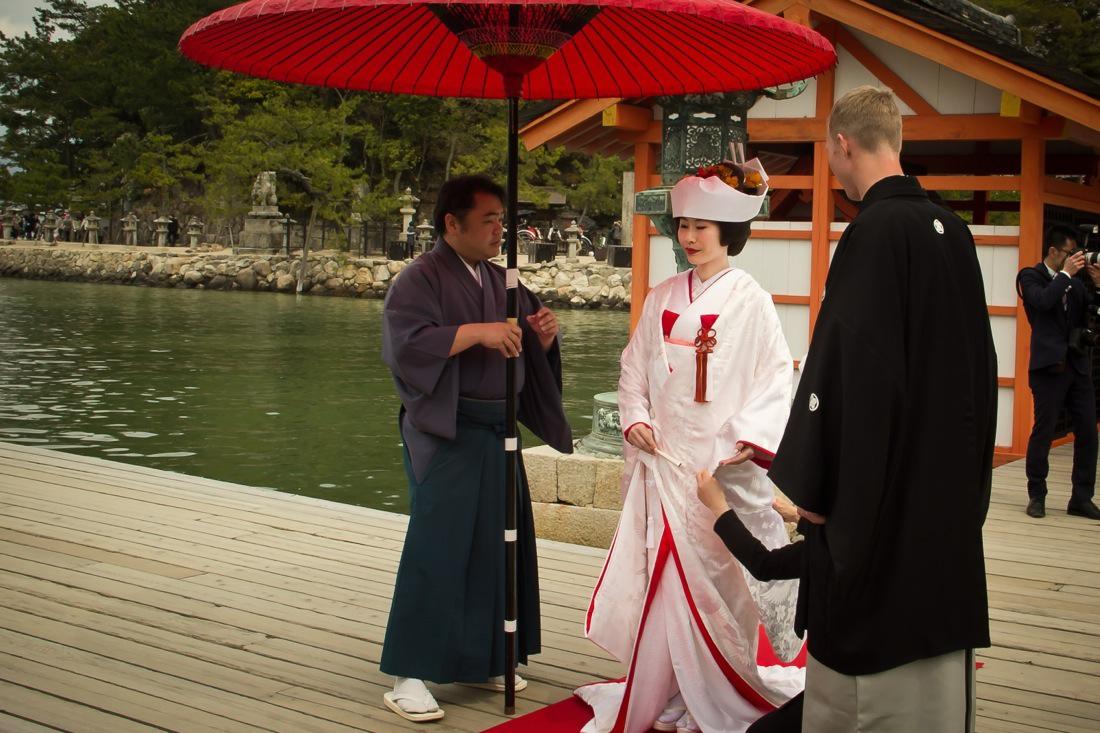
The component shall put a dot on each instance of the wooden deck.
(135, 599)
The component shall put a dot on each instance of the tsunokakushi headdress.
(726, 191)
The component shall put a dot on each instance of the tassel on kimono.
(705, 342)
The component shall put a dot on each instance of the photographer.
(1058, 293)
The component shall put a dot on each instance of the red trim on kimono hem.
(743, 688)
(658, 569)
(763, 457)
(596, 590)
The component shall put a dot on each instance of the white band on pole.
(511, 444)
(509, 627)
(510, 535)
(511, 278)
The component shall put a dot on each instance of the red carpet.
(570, 715)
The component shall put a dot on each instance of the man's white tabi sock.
(412, 695)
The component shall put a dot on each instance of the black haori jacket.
(891, 438)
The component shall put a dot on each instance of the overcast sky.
(16, 15)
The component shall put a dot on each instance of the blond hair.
(869, 115)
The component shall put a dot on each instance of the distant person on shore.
(446, 342)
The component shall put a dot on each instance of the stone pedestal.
(91, 224)
(606, 438)
(194, 231)
(129, 229)
(161, 238)
(264, 230)
(8, 228)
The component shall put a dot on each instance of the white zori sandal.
(412, 701)
(496, 684)
(671, 715)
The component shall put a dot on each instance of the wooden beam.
(954, 54)
(1071, 195)
(627, 117)
(651, 134)
(780, 234)
(997, 240)
(797, 182)
(846, 207)
(960, 183)
(819, 242)
(1002, 310)
(914, 127)
(645, 163)
(791, 299)
(562, 119)
(1032, 153)
(884, 73)
(798, 12)
(826, 81)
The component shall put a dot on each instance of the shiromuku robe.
(671, 601)
(891, 438)
(446, 623)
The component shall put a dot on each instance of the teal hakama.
(447, 619)
(446, 622)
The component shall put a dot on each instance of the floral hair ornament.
(726, 191)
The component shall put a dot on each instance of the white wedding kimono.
(672, 602)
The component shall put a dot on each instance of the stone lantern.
(408, 209)
(9, 221)
(129, 229)
(194, 231)
(572, 241)
(91, 224)
(424, 233)
(49, 226)
(161, 236)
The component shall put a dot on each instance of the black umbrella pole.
(511, 440)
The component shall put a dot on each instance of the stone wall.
(571, 285)
(576, 498)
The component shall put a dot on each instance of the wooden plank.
(62, 714)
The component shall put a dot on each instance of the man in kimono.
(446, 342)
(888, 450)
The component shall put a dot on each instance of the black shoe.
(1087, 510)
(1037, 508)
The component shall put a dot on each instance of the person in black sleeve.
(765, 565)
(1060, 371)
(888, 452)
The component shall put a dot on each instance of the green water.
(253, 388)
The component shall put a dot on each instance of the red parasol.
(569, 49)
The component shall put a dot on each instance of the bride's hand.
(744, 453)
(641, 436)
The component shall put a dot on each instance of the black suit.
(1059, 376)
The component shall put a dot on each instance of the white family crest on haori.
(679, 609)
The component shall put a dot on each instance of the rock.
(575, 525)
(562, 279)
(579, 282)
(577, 301)
(246, 279)
(542, 473)
(317, 289)
(262, 268)
(615, 280)
(330, 267)
(193, 277)
(347, 272)
(596, 280)
(576, 479)
(334, 284)
(395, 266)
(607, 492)
(381, 273)
(285, 283)
(218, 282)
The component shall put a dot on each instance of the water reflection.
(251, 388)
